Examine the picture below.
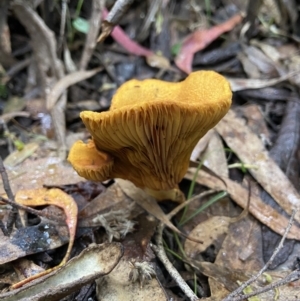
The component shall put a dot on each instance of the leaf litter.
(238, 243)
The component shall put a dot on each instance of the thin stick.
(161, 254)
(91, 37)
(62, 24)
(5, 181)
(293, 276)
(14, 212)
(29, 209)
(3, 228)
(240, 289)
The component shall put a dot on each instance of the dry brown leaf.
(256, 122)
(92, 263)
(261, 61)
(250, 150)
(214, 156)
(228, 278)
(111, 199)
(109, 290)
(251, 70)
(239, 84)
(201, 145)
(269, 50)
(33, 239)
(54, 196)
(24, 267)
(146, 202)
(33, 174)
(242, 247)
(134, 276)
(209, 231)
(264, 213)
(241, 253)
(18, 157)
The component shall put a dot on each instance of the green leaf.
(81, 25)
(3, 91)
(176, 48)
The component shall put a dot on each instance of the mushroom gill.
(149, 132)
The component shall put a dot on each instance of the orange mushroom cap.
(149, 132)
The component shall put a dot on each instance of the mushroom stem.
(174, 194)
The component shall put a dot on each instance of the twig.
(29, 209)
(118, 11)
(91, 38)
(5, 181)
(62, 24)
(3, 228)
(113, 18)
(14, 212)
(50, 67)
(240, 289)
(293, 276)
(161, 254)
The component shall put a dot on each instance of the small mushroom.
(149, 132)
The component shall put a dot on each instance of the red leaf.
(199, 40)
(119, 35)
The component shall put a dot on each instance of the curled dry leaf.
(199, 40)
(264, 213)
(92, 263)
(250, 149)
(56, 197)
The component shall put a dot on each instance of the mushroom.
(149, 132)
